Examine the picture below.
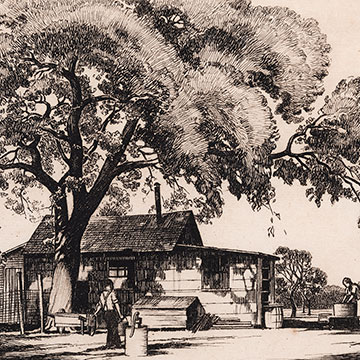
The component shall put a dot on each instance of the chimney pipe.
(158, 202)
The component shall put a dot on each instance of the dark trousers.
(111, 319)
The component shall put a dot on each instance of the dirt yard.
(214, 344)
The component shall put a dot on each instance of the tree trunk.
(67, 260)
(293, 305)
(309, 307)
(62, 288)
(68, 235)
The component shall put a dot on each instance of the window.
(215, 273)
(121, 273)
(118, 271)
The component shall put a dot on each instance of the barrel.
(137, 344)
(345, 310)
(274, 316)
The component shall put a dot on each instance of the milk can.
(136, 338)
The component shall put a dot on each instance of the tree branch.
(352, 188)
(133, 165)
(291, 140)
(62, 152)
(39, 64)
(350, 180)
(103, 126)
(74, 136)
(40, 175)
(47, 105)
(15, 152)
(73, 131)
(96, 99)
(55, 134)
(110, 168)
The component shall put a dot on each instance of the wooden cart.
(63, 320)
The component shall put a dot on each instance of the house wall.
(227, 284)
(34, 265)
(9, 287)
(224, 283)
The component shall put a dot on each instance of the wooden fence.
(9, 307)
(14, 300)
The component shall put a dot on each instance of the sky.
(329, 233)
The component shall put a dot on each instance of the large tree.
(99, 97)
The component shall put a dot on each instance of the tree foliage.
(206, 118)
(324, 152)
(297, 278)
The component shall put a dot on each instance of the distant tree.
(314, 281)
(297, 278)
(328, 296)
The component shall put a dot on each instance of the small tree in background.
(328, 296)
(311, 287)
(297, 278)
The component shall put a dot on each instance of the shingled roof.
(139, 233)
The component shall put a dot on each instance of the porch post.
(272, 281)
(259, 305)
(41, 302)
(20, 303)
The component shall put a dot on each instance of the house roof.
(232, 251)
(164, 302)
(14, 249)
(139, 233)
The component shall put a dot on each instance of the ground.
(213, 344)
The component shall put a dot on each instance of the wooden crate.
(169, 312)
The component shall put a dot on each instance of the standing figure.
(112, 314)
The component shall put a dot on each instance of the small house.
(154, 254)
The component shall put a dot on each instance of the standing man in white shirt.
(112, 314)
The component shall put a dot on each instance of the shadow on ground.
(60, 347)
(354, 356)
(302, 324)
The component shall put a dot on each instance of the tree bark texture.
(293, 305)
(67, 262)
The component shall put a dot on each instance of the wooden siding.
(231, 292)
(227, 284)
(34, 265)
(9, 287)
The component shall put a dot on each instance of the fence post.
(21, 303)
(41, 302)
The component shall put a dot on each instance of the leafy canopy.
(90, 90)
(296, 275)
